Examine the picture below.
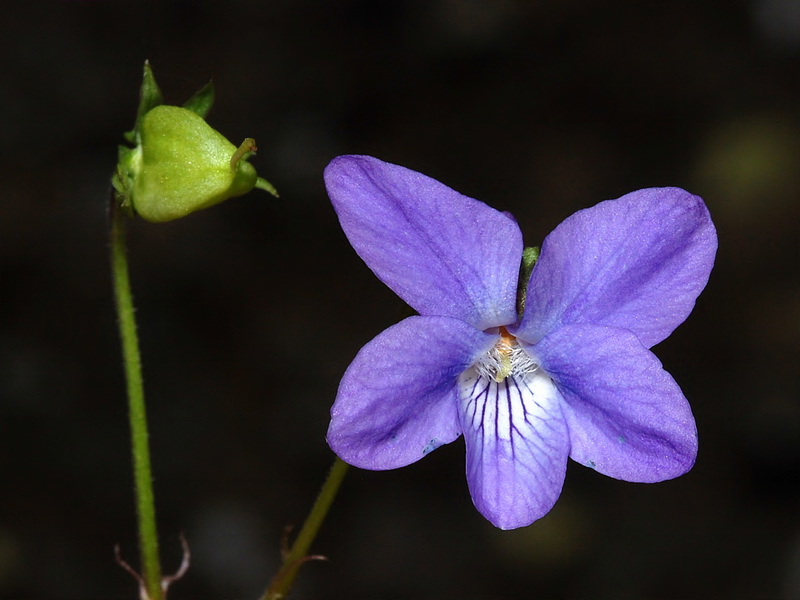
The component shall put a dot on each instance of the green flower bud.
(180, 164)
(185, 165)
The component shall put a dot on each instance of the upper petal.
(638, 262)
(627, 418)
(398, 400)
(443, 253)
(517, 446)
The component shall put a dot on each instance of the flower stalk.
(145, 506)
(298, 554)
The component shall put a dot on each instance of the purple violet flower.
(571, 376)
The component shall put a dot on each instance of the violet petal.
(627, 417)
(443, 253)
(638, 262)
(517, 446)
(398, 399)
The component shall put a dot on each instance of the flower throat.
(506, 359)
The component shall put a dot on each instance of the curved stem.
(145, 506)
(298, 554)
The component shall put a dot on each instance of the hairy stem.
(145, 506)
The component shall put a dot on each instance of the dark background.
(250, 312)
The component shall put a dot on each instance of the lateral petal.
(517, 446)
(443, 253)
(638, 262)
(398, 399)
(627, 417)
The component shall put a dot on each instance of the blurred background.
(250, 312)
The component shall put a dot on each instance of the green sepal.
(202, 100)
(529, 257)
(128, 163)
(149, 97)
(263, 184)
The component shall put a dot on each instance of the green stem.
(298, 554)
(145, 506)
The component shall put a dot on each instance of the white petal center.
(506, 394)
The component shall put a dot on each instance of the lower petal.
(517, 446)
(398, 399)
(627, 417)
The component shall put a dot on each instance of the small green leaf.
(202, 100)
